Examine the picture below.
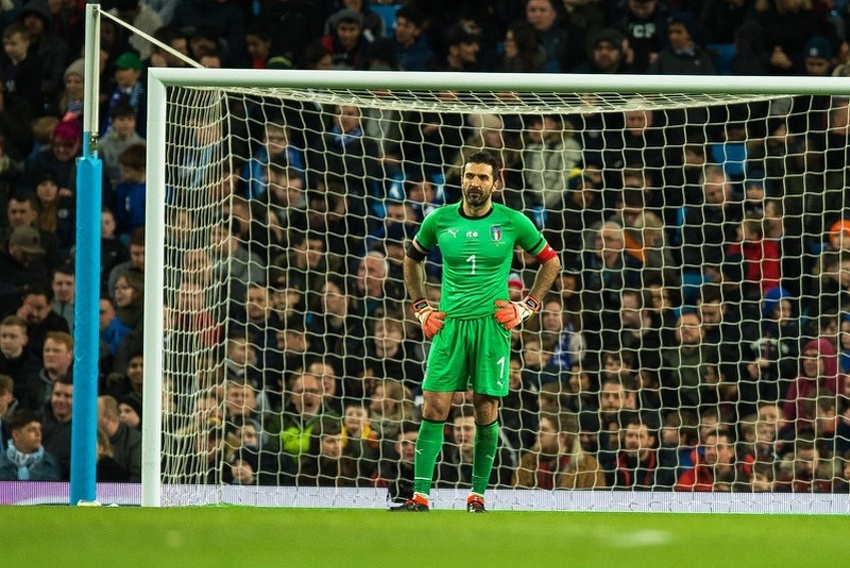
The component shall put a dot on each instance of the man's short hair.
(20, 418)
(16, 28)
(167, 34)
(14, 321)
(122, 109)
(483, 157)
(66, 379)
(62, 337)
(37, 289)
(66, 268)
(137, 237)
(406, 427)
(134, 156)
(7, 384)
(21, 196)
(412, 14)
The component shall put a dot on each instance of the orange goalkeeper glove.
(430, 319)
(511, 314)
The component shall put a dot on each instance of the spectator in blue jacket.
(130, 193)
(413, 53)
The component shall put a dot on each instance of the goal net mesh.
(697, 338)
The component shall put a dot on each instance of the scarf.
(24, 461)
(343, 139)
(844, 358)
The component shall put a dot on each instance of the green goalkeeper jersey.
(477, 255)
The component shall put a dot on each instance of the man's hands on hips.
(511, 314)
(430, 319)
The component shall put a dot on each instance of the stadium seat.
(387, 12)
(723, 54)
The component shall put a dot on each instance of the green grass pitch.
(336, 538)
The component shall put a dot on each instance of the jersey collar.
(465, 216)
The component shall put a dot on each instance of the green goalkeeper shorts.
(469, 352)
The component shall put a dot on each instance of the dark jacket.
(127, 451)
(669, 62)
(24, 371)
(57, 440)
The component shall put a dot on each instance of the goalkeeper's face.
(478, 184)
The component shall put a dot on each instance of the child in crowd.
(42, 130)
(70, 103)
(130, 193)
(112, 251)
(358, 439)
(21, 71)
(121, 136)
(128, 89)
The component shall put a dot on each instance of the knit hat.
(134, 401)
(818, 46)
(44, 176)
(515, 281)
(772, 298)
(129, 60)
(78, 67)
(346, 15)
(68, 130)
(840, 226)
(687, 19)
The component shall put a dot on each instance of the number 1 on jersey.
(471, 259)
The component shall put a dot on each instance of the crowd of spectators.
(697, 340)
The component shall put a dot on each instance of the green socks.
(428, 446)
(430, 442)
(483, 455)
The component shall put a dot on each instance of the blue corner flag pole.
(86, 332)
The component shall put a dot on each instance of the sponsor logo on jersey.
(496, 232)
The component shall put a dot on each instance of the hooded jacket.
(806, 388)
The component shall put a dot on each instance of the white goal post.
(204, 127)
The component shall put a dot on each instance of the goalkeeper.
(471, 327)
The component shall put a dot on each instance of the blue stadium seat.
(691, 284)
(387, 12)
(723, 54)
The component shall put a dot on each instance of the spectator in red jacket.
(717, 469)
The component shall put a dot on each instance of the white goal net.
(697, 340)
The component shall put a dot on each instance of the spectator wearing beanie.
(817, 57)
(130, 410)
(128, 89)
(70, 104)
(58, 158)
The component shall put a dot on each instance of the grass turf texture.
(237, 536)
